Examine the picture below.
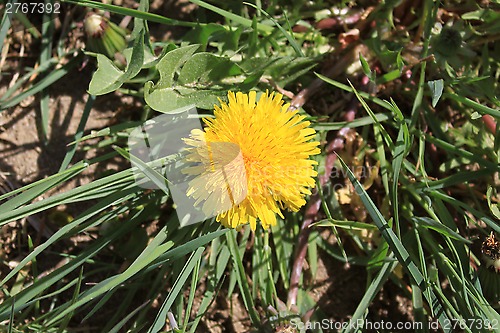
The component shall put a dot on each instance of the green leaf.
(205, 67)
(241, 277)
(350, 225)
(107, 75)
(45, 55)
(79, 132)
(358, 122)
(36, 189)
(108, 78)
(171, 96)
(283, 248)
(85, 216)
(378, 101)
(383, 132)
(378, 257)
(167, 95)
(401, 148)
(118, 326)
(439, 227)
(202, 33)
(312, 252)
(494, 208)
(436, 90)
(365, 66)
(140, 23)
(218, 261)
(157, 178)
(161, 317)
(370, 294)
(171, 62)
(47, 81)
(131, 12)
(96, 189)
(391, 76)
(45, 282)
(231, 16)
(483, 14)
(482, 109)
(475, 115)
(175, 100)
(285, 33)
(478, 214)
(386, 231)
(152, 252)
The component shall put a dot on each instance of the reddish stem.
(314, 205)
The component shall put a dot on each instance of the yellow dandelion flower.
(251, 161)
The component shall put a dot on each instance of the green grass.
(416, 225)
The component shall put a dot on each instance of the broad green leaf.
(175, 100)
(108, 78)
(168, 95)
(205, 67)
(171, 63)
(201, 33)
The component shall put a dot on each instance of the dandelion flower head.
(251, 161)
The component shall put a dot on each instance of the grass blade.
(161, 317)
(79, 133)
